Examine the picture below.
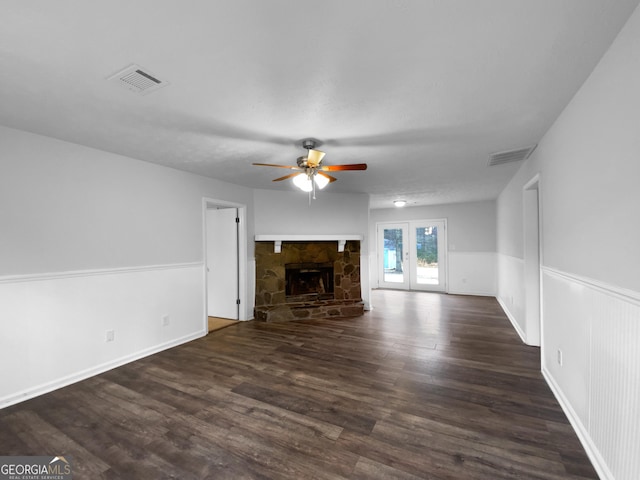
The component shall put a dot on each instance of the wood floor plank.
(40, 435)
(367, 469)
(426, 385)
(325, 411)
(263, 411)
(292, 440)
(462, 448)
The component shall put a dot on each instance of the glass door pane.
(427, 256)
(393, 248)
(395, 252)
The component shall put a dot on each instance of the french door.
(412, 255)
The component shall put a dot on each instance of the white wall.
(280, 213)
(90, 242)
(471, 238)
(589, 172)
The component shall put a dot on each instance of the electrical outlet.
(560, 360)
(165, 320)
(111, 335)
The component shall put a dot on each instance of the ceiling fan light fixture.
(399, 203)
(303, 182)
(314, 157)
(321, 181)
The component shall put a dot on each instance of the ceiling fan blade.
(331, 179)
(314, 157)
(291, 175)
(290, 167)
(337, 168)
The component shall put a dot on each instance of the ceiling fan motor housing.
(309, 144)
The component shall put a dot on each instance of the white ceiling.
(423, 91)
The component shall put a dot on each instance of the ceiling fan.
(309, 169)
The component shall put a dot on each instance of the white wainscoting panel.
(473, 273)
(53, 327)
(567, 328)
(511, 291)
(597, 327)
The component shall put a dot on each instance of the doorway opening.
(225, 261)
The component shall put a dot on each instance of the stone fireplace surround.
(272, 303)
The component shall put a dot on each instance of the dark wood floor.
(424, 386)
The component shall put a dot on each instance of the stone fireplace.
(307, 279)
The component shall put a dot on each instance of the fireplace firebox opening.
(309, 280)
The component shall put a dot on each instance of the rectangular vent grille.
(138, 80)
(511, 156)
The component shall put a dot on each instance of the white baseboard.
(471, 292)
(90, 372)
(512, 320)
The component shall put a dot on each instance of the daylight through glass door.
(395, 252)
(427, 255)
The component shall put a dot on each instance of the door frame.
(245, 307)
(411, 224)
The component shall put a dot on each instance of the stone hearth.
(272, 302)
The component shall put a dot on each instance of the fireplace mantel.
(278, 239)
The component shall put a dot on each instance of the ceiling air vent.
(138, 80)
(511, 156)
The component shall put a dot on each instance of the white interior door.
(222, 262)
(413, 255)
